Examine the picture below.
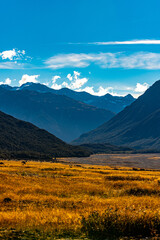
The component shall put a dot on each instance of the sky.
(98, 46)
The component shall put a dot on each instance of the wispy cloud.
(70, 60)
(129, 42)
(138, 60)
(11, 65)
(80, 60)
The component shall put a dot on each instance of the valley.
(44, 200)
(79, 120)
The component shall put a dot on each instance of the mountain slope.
(60, 115)
(136, 126)
(109, 102)
(106, 148)
(17, 136)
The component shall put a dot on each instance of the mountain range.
(113, 103)
(138, 125)
(21, 139)
(60, 115)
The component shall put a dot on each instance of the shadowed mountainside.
(21, 139)
(136, 126)
(106, 148)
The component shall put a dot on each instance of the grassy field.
(64, 201)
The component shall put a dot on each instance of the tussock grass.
(115, 223)
(52, 200)
(125, 178)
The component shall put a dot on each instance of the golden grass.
(52, 197)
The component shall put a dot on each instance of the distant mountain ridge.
(108, 102)
(138, 125)
(24, 140)
(60, 115)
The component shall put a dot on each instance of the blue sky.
(98, 46)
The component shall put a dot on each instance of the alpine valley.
(136, 126)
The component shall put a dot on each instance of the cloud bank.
(76, 83)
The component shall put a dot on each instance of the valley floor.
(41, 200)
(149, 161)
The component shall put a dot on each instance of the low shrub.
(124, 178)
(142, 191)
(113, 224)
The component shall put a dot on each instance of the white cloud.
(14, 59)
(12, 54)
(141, 87)
(101, 91)
(130, 42)
(88, 90)
(78, 83)
(138, 60)
(8, 54)
(26, 78)
(74, 81)
(54, 79)
(141, 60)
(70, 60)
(69, 77)
(76, 74)
(7, 81)
(11, 65)
(46, 84)
(55, 85)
